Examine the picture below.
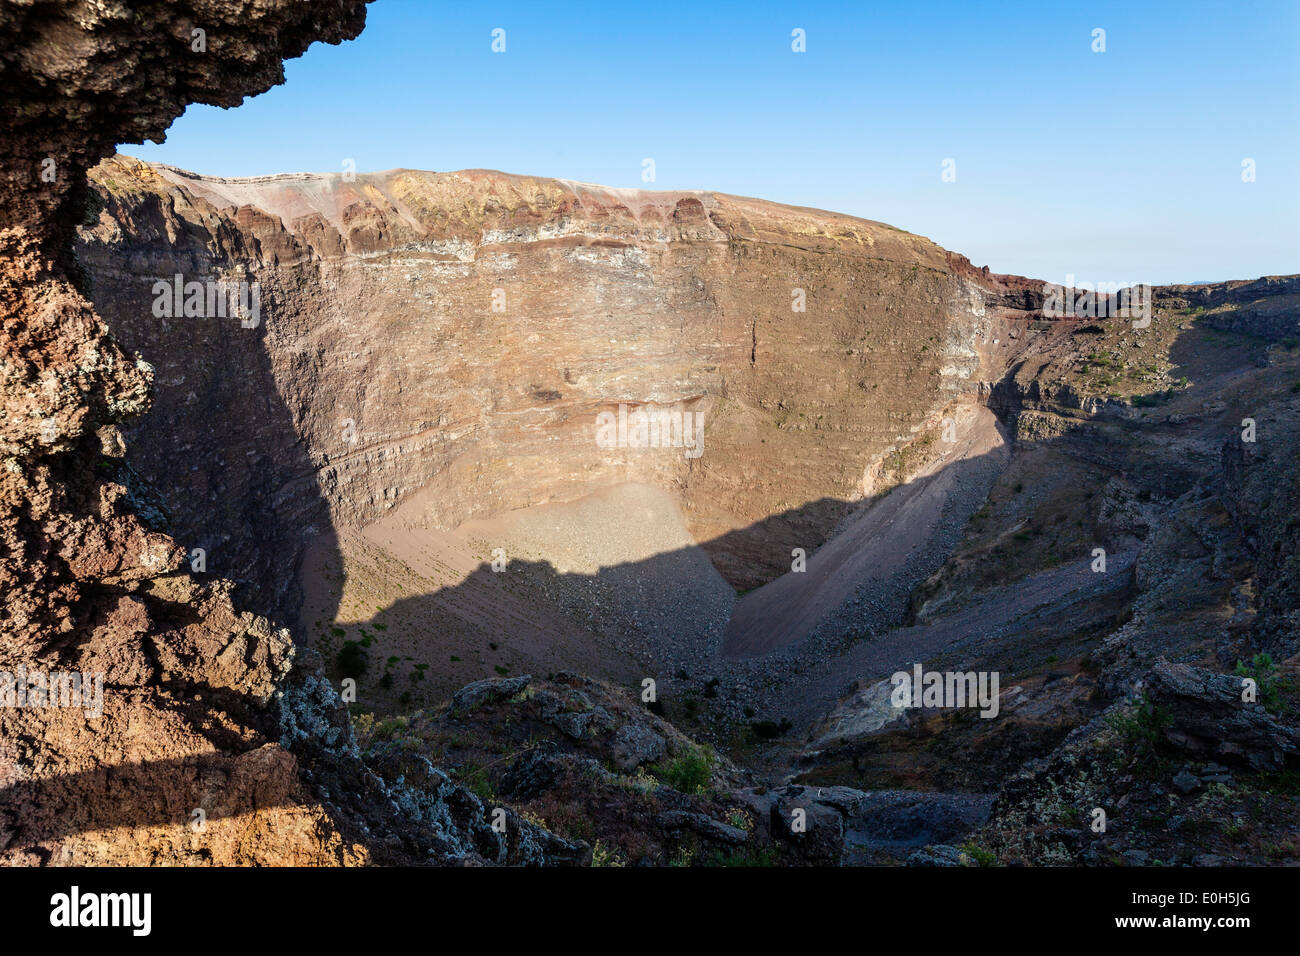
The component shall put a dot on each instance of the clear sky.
(1115, 166)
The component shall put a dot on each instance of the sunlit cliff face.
(465, 336)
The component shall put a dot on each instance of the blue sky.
(1117, 166)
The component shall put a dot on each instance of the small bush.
(1142, 730)
(690, 772)
(750, 856)
(1268, 680)
(979, 855)
(602, 855)
(475, 779)
(351, 660)
(770, 729)
(390, 727)
(740, 820)
(1285, 782)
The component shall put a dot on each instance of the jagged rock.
(532, 773)
(863, 712)
(938, 855)
(706, 827)
(1186, 781)
(572, 712)
(206, 714)
(1216, 773)
(488, 692)
(540, 769)
(816, 828)
(635, 744)
(902, 818)
(1208, 717)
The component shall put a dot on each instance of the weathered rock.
(635, 744)
(1186, 781)
(816, 829)
(706, 827)
(1208, 717)
(938, 855)
(202, 719)
(488, 691)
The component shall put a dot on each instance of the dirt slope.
(877, 556)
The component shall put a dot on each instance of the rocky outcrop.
(1261, 489)
(188, 741)
(1220, 716)
(1268, 306)
(543, 747)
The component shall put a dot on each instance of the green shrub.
(770, 729)
(979, 855)
(351, 660)
(602, 855)
(1268, 680)
(690, 772)
(749, 856)
(1142, 730)
(475, 779)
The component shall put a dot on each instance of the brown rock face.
(164, 747)
(459, 335)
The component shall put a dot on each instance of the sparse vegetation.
(746, 857)
(689, 772)
(351, 660)
(1140, 730)
(1271, 686)
(979, 855)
